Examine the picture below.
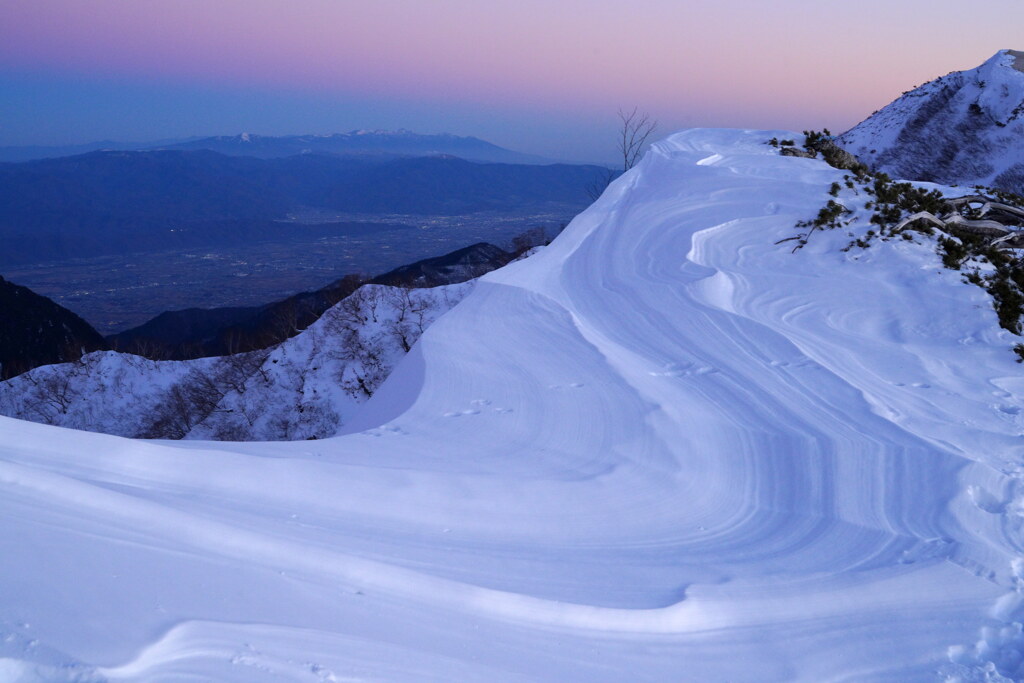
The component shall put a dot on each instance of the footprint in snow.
(460, 413)
(987, 501)
(384, 431)
(684, 370)
(321, 672)
(674, 370)
(932, 549)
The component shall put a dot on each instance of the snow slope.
(965, 128)
(663, 448)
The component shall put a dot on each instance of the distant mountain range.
(120, 202)
(361, 142)
(965, 128)
(19, 153)
(357, 142)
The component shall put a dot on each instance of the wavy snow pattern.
(661, 449)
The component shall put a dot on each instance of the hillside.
(36, 331)
(306, 387)
(201, 332)
(966, 128)
(666, 447)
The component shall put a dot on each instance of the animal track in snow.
(477, 405)
(684, 370)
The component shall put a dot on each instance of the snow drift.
(663, 448)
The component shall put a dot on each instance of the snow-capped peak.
(966, 127)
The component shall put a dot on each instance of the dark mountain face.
(35, 331)
(458, 266)
(119, 202)
(205, 332)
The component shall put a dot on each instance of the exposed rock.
(837, 157)
(796, 152)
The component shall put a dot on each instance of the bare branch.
(634, 131)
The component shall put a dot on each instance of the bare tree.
(51, 395)
(527, 240)
(634, 130)
(633, 134)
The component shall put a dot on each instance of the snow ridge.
(663, 447)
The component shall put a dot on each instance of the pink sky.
(732, 62)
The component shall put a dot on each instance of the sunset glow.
(494, 69)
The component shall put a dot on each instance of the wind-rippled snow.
(663, 448)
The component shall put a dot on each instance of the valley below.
(117, 292)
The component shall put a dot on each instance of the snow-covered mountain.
(664, 448)
(304, 388)
(964, 128)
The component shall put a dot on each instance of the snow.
(306, 387)
(977, 114)
(662, 448)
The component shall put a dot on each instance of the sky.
(545, 77)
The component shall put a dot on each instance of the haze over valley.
(119, 236)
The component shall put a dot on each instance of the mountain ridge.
(400, 142)
(966, 127)
(194, 332)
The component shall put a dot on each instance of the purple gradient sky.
(544, 77)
